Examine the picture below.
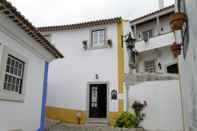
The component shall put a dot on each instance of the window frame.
(92, 45)
(11, 95)
(155, 67)
(147, 32)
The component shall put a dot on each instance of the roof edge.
(152, 13)
(13, 14)
(80, 25)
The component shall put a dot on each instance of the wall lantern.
(109, 43)
(85, 44)
(130, 44)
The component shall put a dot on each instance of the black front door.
(98, 101)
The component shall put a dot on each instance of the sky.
(60, 12)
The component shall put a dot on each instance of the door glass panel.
(94, 96)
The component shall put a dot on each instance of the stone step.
(97, 122)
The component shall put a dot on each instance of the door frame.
(88, 95)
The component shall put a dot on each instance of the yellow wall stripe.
(69, 115)
(113, 116)
(65, 115)
(120, 105)
(121, 75)
(120, 58)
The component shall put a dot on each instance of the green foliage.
(126, 120)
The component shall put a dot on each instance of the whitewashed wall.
(22, 115)
(188, 70)
(164, 107)
(162, 55)
(68, 77)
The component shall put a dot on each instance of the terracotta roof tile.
(152, 13)
(80, 25)
(9, 10)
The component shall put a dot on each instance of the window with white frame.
(98, 38)
(147, 35)
(150, 66)
(12, 75)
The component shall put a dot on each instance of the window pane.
(13, 76)
(150, 66)
(98, 37)
(102, 36)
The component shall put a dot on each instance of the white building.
(24, 58)
(82, 84)
(153, 40)
(155, 78)
(188, 63)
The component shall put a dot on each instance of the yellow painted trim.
(120, 57)
(113, 116)
(121, 75)
(65, 115)
(120, 105)
(69, 115)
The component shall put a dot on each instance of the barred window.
(14, 75)
(150, 66)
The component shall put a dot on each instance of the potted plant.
(138, 108)
(176, 49)
(177, 20)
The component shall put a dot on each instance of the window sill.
(11, 98)
(99, 47)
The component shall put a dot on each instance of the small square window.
(98, 38)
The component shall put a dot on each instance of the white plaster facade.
(157, 47)
(69, 77)
(25, 114)
(163, 110)
(188, 64)
(161, 92)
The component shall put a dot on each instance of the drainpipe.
(44, 97)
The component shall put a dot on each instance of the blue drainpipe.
(44, 97)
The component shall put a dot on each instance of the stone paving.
(52, 125)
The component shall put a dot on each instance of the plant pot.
(177, 20)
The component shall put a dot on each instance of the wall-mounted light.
(85, 44)
(109, 43)
(130, 43)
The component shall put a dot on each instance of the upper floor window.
(147, 35)
(150, 66)
(98, 38)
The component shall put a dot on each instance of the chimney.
(161, 4)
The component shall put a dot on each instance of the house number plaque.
(114, 95)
